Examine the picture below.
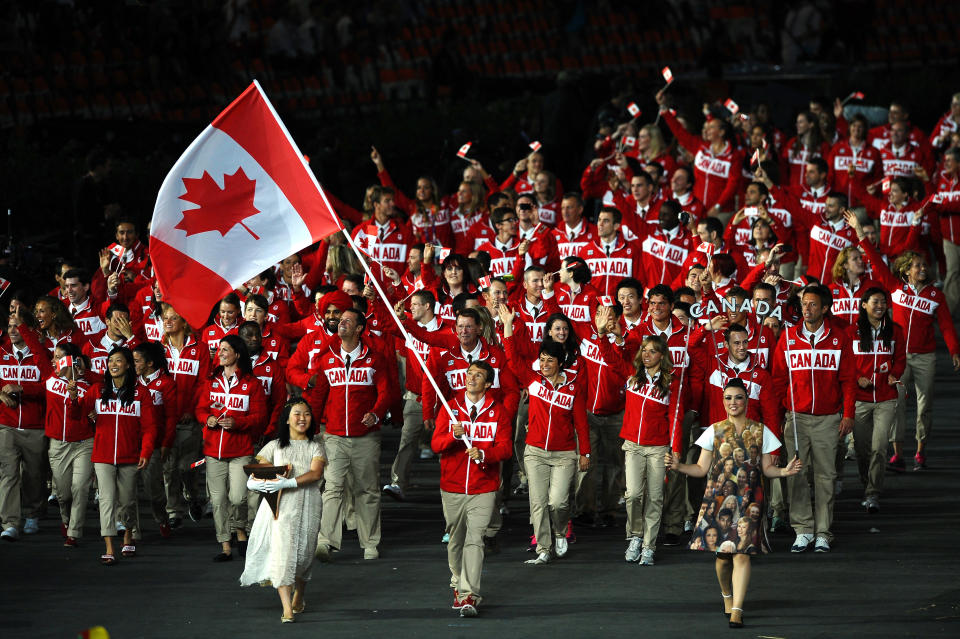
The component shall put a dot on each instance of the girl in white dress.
(280, 550)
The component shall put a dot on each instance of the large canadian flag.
(239, 199)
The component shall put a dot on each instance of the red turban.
(336, 298)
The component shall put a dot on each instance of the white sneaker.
(121, 527)
(633, 550)
(31, 526)
(323, 552)
(371, 553)
(687, 526)
(542, 558)
(822, 544)
(646, 557)
(504, 510)
(802, 542)
(393, 490)
(426, 453)
(10, 534)
(560, 546)
(872, 504)
(837, 487)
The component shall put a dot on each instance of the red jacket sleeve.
(580, 416)
(149, 425)
(686, 139)
(171, 413)
(399, 196)
(254, 418)
(442, 439)
(947, 328)
(848, 379)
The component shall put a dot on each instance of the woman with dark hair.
(557, 330)
(224, 320)
(429, 220)
(733, 561)
(576, 297)
(800, 149)
(71, 441)
(879, 353)
(454, 280)
(150, 364)
(281, 548)
(125, 426)
(232, 408)
(54, 323)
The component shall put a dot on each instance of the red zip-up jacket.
(793, 163)
(57, 421)
(715, 176)
(945, 201)
(391, 251)
(558, 413)
(343, 396)
(189, 367)
(449, 368)
(212, 334)
(303, 359)
(124, 433)
(241, 398)
(866, 161)
(761, 401)
(98, 349)
(846, 300)
(878, 363)
(915, 311)
(163, 390)
(490, 432)
(579, 307)
(649, 417)
(823, 374)
(88, 316)
(273, 380)
(663, 256)
(570, 241)
(29, 374)
(605, 386)
(608, 270)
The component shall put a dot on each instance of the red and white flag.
(755, 158)
(240, 199)
(885, 184)
(667, 74)
(418, 284)
(535, 146)
(462, 153)
(629, 141)
(444, 253)
(485, 282)
(633, 110)
(856, 95)
(65, 362)
(707, 247)
(606, 300)
(731, 106)
(117, 250)
(4, 285)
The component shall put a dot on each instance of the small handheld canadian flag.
(65, 362)
(629, 141)
(667, 74)
(606, 300)
(885, 184)
(755, 158)
(198, 463)
(255, 290)
(731, 106)
(116, 249)
(418, 284)
(462, 153)
(444, 252)
(4, 285)
(633, 110)
(535, 146)
(485, 282)
(763, 142)
(707, 247)
(856, 95)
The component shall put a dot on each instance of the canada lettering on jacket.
(914, 302)
(816, 359)
(843, 162)
(360, 375)
(185, 366)
(502, 265)
(567, 249)
(667, 252)
(557, 398)
(720, 380)
(21, 373)
(650, 391)
(153, 330)
(480, 431)
(390, 252)
(115, 407)
(712, 166)
(898, 167)
(611, 266)
(895, 218)
(266, 382)
(232, 402)
(89, 325)
(576, 312)
(831, 240)
(58, 386)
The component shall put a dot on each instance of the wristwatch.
(587, 455)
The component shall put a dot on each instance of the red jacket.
(449, 368)
(605, 386)
(391, 251)
(793, 164)
(503, 261)
(189, 367)
(88, 316)
(570, 241)
(608, 270)
(303, 359)
(915, 311)
(343, 396)
(715, 176)
(98, 349)
(558, 414)
(826, 239)
(58, 423)
(241, 398)
(490, 432)
(761, 401)
(163, 390)
(212, 334)
(823, 375)
(846, 300)
(878, 364)
(460, 225)
(579, 308)
(662, 257)
(945, 201)
(273, 380)
(29, 373)
(902, 162)
(865, 159)
(649, 417)
(425, 228)
(124, 433)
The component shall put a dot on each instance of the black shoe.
(242, 547)
(175, 522)
(670, 539)
(196, 512)
(490, 545)
(223, 557)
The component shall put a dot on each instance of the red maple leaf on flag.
(220, 209)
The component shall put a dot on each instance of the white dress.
(281, 550)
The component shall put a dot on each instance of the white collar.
(478, 405)
(742, 366)
(146, 379)
(431, 325)
(815, 336)
(353, 355)
(576, 230)
(19, 352)
(672, 234)
(475, 353)
(533, 309)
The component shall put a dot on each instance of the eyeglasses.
(509, 220)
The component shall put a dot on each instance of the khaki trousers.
(818, 437)
(920, 374)
(181, 482)
(409, 442)
(676, 504)
(72, 474)
(353, 462)
(599, 488)
(118, 498)
(549, 475)
(466, 518)
(645, 469)
(22, 485)
(871, 425)
(227, 487)
(951, 281)
(153, 488)
(520, 439)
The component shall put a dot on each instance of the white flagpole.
(793, 408)
(686, 357)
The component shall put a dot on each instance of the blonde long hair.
(639, 378)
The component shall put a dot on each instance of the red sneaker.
(571, 536)
(896, 464)
(468, 606)
(165, 531)
(63, 530)
(457, 604)
(70, 542)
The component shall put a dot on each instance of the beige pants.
(118, 498)
(409, 442)
(181, 482)
(466, 517)
(227, 487)
(353, 462)
(676, 505)
(645, 469)
(951, 281)
(520, 440)
(549, 476)
(818, 436)
(918, 376)
(72, 474)
(599, 488)
(870, 430)
(153, 488)
(21, 474)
